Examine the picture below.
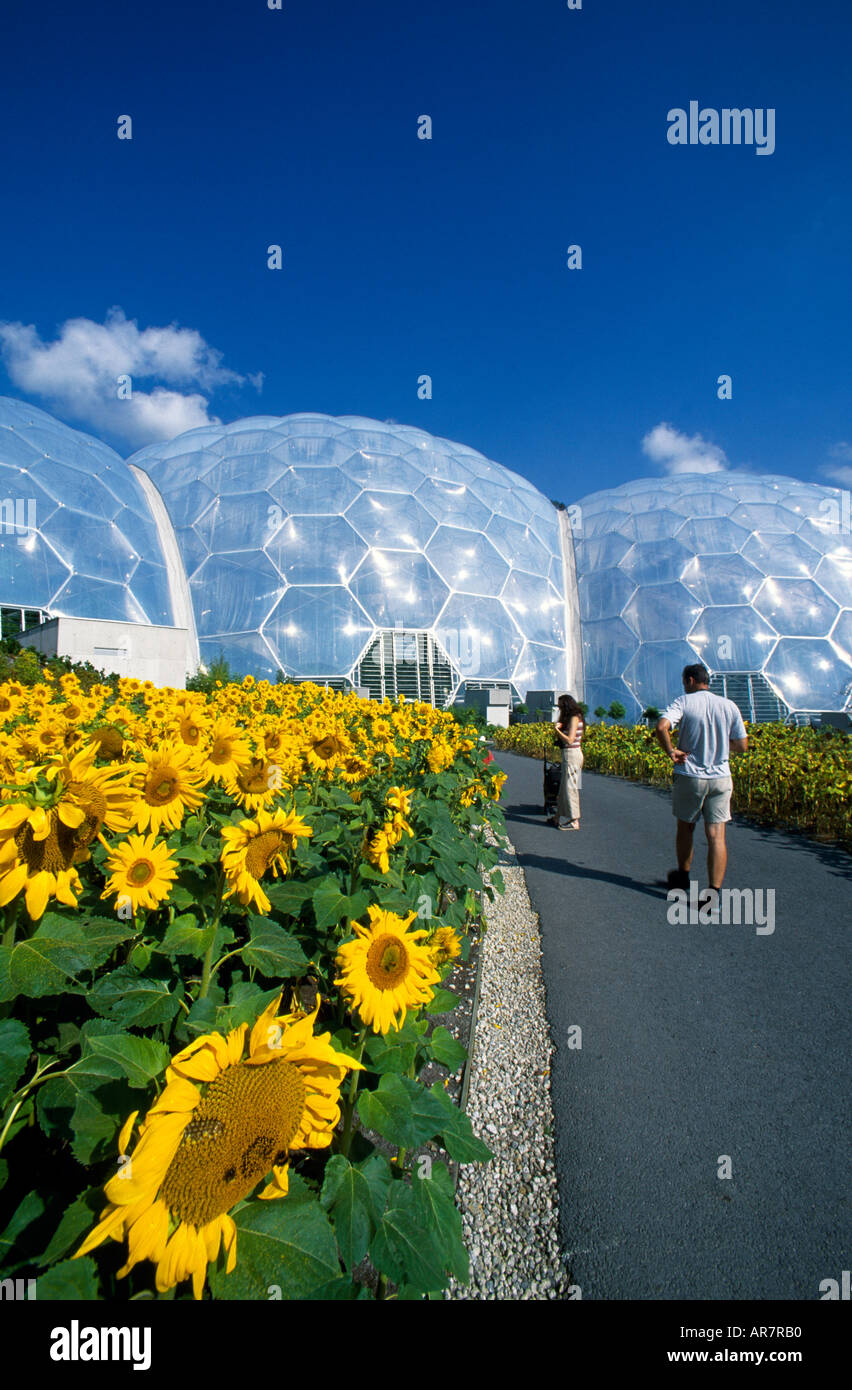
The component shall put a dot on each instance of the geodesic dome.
(347, 548)
(77, 538)
(750, 574)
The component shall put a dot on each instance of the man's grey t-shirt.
(707, 722)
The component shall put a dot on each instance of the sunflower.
(256, 786)
(385, 971)
(325, 747)
(354, 769)
(104, 794)
(399, 799)
(38, 851)
(377, 850)
(223, 1122)
(227, 753)
(141, 871)
(191, 727)
(109, 741)
(444, 946)
(172, 783)
(255, 846)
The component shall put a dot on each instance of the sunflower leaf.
(405, 1249)
(401, 1111)
(393, 1052)
(443, 1002)
(50, 964)
(133, 999)
(185, 938)
(15, 1049)
(348, 1199)
(246, 1003)
(331, 905)
(285, 1250)
(7, 989)
(29, 1211)
(273, 951)
(96, 936)
(446, 1050)
(73, 1281)
(289, 897)
(457, 1132)
(434, 1199)
(77, 1220)
(139, 1059)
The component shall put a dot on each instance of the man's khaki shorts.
(694, 796)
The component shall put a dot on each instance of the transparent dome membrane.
(751, 578)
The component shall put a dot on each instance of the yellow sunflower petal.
(112, 1221)
(38, 894)
(180, 1095)
(126, 1130)
(280, 1184)
(265, 1025)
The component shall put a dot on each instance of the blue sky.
(403, 256)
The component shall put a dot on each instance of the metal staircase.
(409, 664)
(752, 694)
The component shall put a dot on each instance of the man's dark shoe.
(678, 878)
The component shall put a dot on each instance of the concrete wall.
(158, 654)
(575, 684)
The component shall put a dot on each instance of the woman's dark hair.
(567, 707)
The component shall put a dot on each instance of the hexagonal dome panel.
(312, 549)
(722, 579)
(809, 674)
(732, 639)
(661, 612)
(483, 627)
(787, 556)
(398, 587)
(538, 610)
(394, 520)
(317, 630)
(467, 561)
(796, 606)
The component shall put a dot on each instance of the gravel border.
(509, 1207)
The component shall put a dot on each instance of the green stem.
(222, 959)
(206, 973)
(20, 1096)
(8, 1124)
(349, 1105)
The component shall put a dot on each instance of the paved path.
(698, 1041)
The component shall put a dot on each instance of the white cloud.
(839, 472)
(77, 373)
(842, 474)
(841, 450)
(674, 452)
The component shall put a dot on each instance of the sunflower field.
(227, 920)
(798, 778)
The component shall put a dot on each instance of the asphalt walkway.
(704, 1048)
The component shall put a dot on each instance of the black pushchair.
(552, 778)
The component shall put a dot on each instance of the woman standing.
(569, 728)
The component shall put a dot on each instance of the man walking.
(710, 727)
